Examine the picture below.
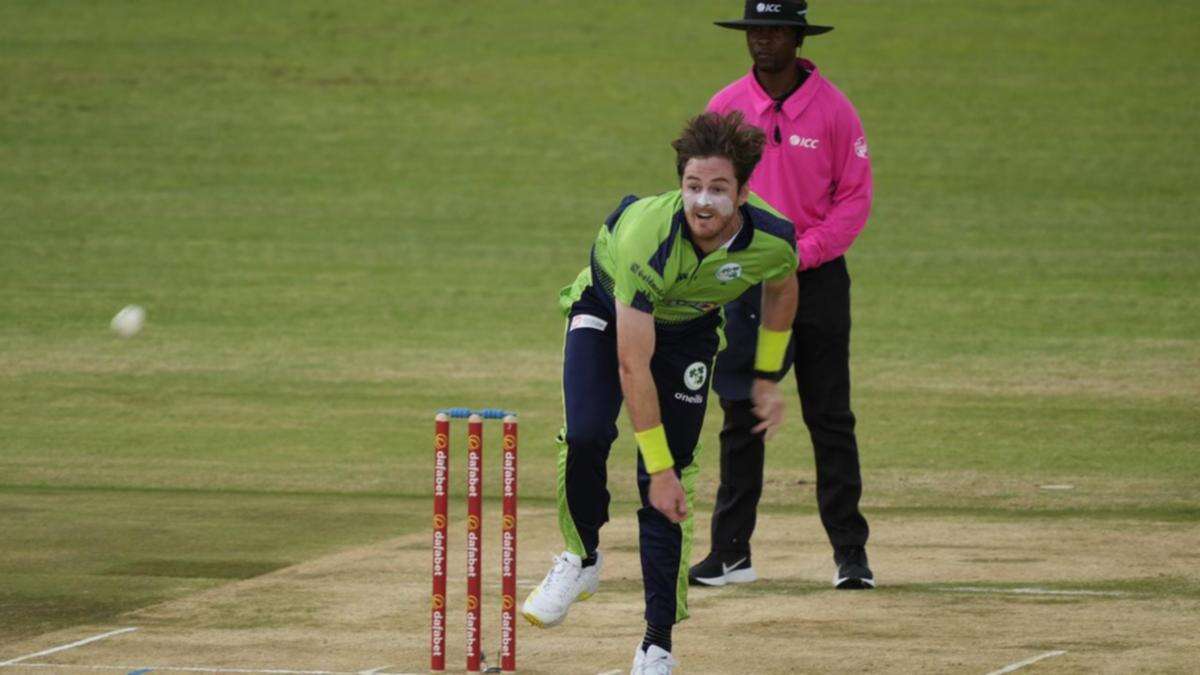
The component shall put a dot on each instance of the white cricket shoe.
(565, 583)
(653, 661)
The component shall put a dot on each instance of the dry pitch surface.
(956, 595)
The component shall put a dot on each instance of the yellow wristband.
(655, 452)
(772, 344)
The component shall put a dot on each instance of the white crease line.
(63, 648)
(203, 669)
(68, 666)
(1021, 664)
(1030, 591)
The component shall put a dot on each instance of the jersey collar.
(740, 241)
(794, 104)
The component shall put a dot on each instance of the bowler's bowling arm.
(635, 348)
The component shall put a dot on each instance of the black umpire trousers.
(820, 351)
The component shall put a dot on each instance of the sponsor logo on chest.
(804, 142)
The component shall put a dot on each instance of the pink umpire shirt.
(815, 168)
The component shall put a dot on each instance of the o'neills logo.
(473, 442)
(440, 442)
(507, 602)
(695, 398)
(510, 443)
(439, 521)
(509, 522)
(472, 603)
(439, 602)
(472, 523)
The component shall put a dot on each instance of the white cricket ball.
(129, 321)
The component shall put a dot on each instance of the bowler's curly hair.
(715, 135)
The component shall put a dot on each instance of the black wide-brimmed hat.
(776, 13)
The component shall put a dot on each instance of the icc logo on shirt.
(809, 143)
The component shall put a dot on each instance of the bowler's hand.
(666, 495)
(768, 406)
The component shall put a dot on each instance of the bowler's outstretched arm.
(635, 348)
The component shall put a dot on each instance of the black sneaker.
(852, 571)
(718, 570)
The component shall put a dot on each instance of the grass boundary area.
(1165, 513)
(43, 488)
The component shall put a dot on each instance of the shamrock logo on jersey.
(695, 375)
(728, 272)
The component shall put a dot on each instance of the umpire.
(816, 170)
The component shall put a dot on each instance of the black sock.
(657, 635)
(590, 560)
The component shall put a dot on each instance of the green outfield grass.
(343, 216)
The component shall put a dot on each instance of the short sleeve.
(783, 261)
(637, 279)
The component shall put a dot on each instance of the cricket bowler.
(644, 324)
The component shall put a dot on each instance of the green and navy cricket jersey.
(644, 257)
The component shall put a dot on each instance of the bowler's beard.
(718, 229)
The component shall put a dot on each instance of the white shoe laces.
(559, 581)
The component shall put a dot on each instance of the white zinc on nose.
(706, 199)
